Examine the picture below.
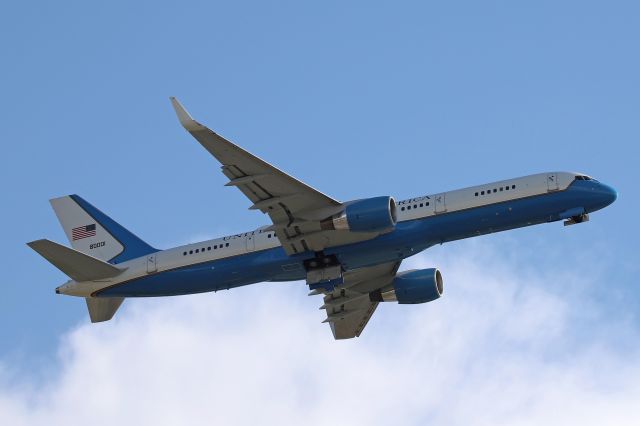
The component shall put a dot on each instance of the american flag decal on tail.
(83, 232)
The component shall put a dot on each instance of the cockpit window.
(582, 177)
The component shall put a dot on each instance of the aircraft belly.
(223, 274)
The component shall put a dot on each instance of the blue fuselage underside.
(408, 238)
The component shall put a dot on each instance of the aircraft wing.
(295, 208)
(349, 307)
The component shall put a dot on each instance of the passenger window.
(415, 206)
(427, 203)
(402, 209)
(190, 251)
(227, 245)
(408, 207)
(197, 250)
(513, 187)
(421, 205)
(500, 189)
(209, 248)
(215, 247)
(184, 254)
(495, 190)
(506, 188)
(268, 235)
(482, 193)
(476, 194)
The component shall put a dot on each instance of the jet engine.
(409, 287)
(376, 214)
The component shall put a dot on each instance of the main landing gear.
(324, 272)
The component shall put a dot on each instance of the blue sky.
(359, 99)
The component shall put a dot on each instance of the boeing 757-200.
(348, 252)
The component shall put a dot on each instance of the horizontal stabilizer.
(103, 308)
(77, 265)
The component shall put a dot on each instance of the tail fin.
(92, 232)
(78, 266)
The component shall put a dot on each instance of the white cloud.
(504, 345)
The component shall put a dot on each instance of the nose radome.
(609, 194)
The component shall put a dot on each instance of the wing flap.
(353, 326)
(349, 307)
(294, 207)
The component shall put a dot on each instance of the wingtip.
(185, 118)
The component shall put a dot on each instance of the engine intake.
(410, 287)
(376, 214)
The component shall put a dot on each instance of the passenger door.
(251, 242)
(152, 264)
(439, 203)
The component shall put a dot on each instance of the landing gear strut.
(323, 272)
(577, 219)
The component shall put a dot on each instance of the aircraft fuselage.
(258, 256)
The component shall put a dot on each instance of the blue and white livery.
(349, 252)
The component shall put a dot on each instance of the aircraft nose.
(608, 194)
(601, 196)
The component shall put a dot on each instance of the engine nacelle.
(410, 287)
(376, 214)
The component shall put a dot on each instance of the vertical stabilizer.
(92, 232)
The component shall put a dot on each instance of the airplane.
(348, 252)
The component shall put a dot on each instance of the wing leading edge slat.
(271, 191)
(295, 208)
